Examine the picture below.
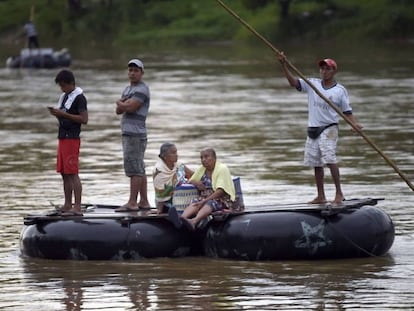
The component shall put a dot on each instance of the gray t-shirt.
(133, 124)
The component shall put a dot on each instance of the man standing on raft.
(320, 147)
(71, 112)
(133, 106)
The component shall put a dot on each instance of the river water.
(238, 102)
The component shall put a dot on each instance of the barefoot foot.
(318, 201)
(338, 200)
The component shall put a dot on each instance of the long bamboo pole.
(32, 14)
(329, 102)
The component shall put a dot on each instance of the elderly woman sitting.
(214, 181)
(167, 175)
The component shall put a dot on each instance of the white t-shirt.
(319, 111)
(30, 30)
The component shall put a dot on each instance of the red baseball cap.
(328, 62)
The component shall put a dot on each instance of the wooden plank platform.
(102, 211)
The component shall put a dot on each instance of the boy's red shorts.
(68, 156)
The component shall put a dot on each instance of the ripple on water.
(258, 127)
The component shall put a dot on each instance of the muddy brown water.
(241, 105)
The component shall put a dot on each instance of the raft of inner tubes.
(356, 228)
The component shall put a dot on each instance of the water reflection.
(164, 284)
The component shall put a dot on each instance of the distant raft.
(355, 228)
(40, 58)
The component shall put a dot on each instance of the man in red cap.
(320, 147)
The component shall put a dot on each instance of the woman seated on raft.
(168, 175)
(217, 192)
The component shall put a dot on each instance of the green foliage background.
(118, 23)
